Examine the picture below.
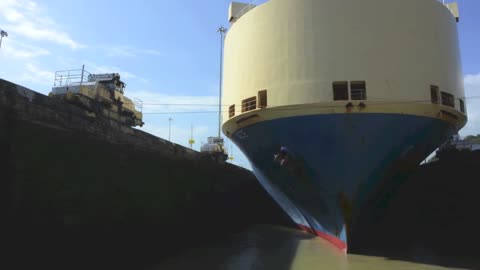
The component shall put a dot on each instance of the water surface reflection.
(266, 247)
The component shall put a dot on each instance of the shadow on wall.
(72, 201)
(432, 219)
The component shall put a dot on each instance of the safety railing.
(71, 77)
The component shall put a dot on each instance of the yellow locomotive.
(100, 94)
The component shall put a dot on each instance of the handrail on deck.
(71, 77)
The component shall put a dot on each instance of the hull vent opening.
(340, 90)
(249, 104)
(262, 99)
(462, 106)
(448, 100)
(231, 111)
(358, 90)
(434, 94)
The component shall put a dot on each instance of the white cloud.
(120, 52)
(12, 15)
(151, 52)
(37, 75)
(126, 51)
(472, 80)
(15, 49)
(26, 18)
(472, 93)
(33, 31)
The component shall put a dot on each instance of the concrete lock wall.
(89, 185)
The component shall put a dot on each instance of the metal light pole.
(169, 127)
(2, 34)
(222, 30)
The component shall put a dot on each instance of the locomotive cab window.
(340, 90)
(434, 93)
(358, 90)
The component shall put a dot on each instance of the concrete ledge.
(28, 105)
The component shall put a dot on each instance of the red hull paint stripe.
(330, 238)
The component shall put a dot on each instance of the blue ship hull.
(335, 162)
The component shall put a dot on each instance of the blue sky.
(166, 51)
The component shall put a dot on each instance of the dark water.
(260, 247)
(267, 247)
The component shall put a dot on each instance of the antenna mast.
(222, 30)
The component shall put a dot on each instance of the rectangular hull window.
(358, 90)
(462, 106)
(340, 90)
(434, 93)
(231, 111)
(262, 99)
(448, 100)
(249, 104)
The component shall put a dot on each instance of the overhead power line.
(384, 102)
(309, 106)
(216, 105)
